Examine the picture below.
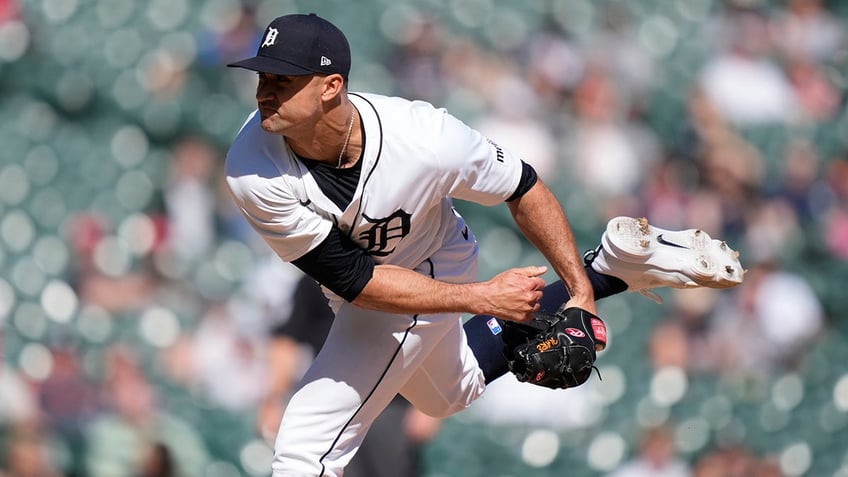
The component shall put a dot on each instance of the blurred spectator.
(735, 461)
(666, 193)
(18, 405)
(190, 199)
(68, 402)
(9, 10)
(818, 98)
(704, 125)
(767, 467)
(554, 66)
(119, 440)
(230, 221)
(836, 177)
(769, 325)
(728, 170)
(513, 124)
(417, 61)
(604, 140)
(732, 171)
(616, 47)
(732, 166)
(27, 455)
(745, 86)
(707, 211)
(126, 290)
(836, 232)
(67, 398)
(221, 360)
(772, 232)
(164, 75)
(805, 29)
(800, 180)
(229, 37)
(391, 447)
(835, 220)
(470, 74)
(683, 338)
(157, 462)
(656, 457)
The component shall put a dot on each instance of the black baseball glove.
(555, 350)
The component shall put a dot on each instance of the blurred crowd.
(173, 308)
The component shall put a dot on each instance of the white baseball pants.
(369, 357)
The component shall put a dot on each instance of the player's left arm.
(539, 216)
(476, 169)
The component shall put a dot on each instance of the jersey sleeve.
(475, 168)
(290, 228)
(338, 264)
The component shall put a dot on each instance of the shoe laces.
(589, 255)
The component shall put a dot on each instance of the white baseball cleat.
(646, 257)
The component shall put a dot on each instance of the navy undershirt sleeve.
(528, 180)
(338, 264)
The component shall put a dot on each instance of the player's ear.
(333, 85)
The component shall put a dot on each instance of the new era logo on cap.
(296, 45)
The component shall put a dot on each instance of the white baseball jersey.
(416, 158)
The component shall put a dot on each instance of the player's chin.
(271, 124)
(267, 113)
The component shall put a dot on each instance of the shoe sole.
(693, 253)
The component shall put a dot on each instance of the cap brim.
(264, 64)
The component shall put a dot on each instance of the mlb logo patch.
(494, 326)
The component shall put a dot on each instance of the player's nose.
(264, 93)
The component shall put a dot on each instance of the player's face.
(288, 103)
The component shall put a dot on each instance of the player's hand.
(514, 294)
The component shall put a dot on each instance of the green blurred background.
(128, 282)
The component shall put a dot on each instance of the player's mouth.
(267, 111)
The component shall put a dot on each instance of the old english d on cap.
(297, 45)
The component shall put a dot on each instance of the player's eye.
(272, 77)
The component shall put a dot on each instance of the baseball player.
(355, 190)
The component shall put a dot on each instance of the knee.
(449, 404)
(442, 411)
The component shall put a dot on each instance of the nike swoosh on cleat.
(663, 241)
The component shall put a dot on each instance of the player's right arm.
(326, 254)
(344, 268)
(511, 295)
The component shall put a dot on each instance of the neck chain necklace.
(347, 138)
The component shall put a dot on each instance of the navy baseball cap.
(298, 45)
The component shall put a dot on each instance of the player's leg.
(363, 364)
(646, 257)
(449, 379)
(485, 333)
(386, 451)
(633, 256)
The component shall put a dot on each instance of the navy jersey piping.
(376, 161)
(377, 384)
